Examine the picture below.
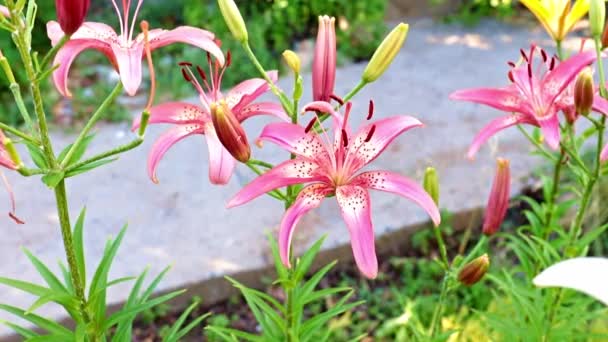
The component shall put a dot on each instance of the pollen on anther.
(228, 58)
(202, 73)
(530, 70)
(370, 111)
(511, 64)
(310, 125)
(523, 55)
(344, 138)
(370, 134)
(184, 63)
(337, 99)
(543, 55)
(186, 75)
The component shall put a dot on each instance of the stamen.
(552, 65)
(511, 64)
(186, 76)
(370, 134)
(543, 55)
(370, 111)
(310, 125)
(201, 73)
(135, 14)
(184, 63)
(145, 29)
(511, 77)
(523, 55)
(337, 99)
(344, 138)
(228, 59)
(349, 107)
(120, 20)
(530, 70)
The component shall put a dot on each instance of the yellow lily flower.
(557, 16)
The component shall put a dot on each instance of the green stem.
(292, 334)
(92, 121)
(19, 134)
(440, 305)
(538, 145)
(354, 91)
(560, 50)
(118, 150)
(51, 54)
(16, 91)
(442, 247)
(25, 172)
(553, 195)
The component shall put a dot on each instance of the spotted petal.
(175, 113)
(291, 172)
(551, 132)
(165, 142)
(356, 211)
(600, 105)
(363, 150)
(262, 108)
(248, 91)
(557, 80)
(221, 162)
(294, 139)
(402, 186)
(494, 127)
(505, 99)
(188, 35)
(587, 275)
(309, 198)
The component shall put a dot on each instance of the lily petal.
(291, 172)
(494, 127)
(175, 113)
(294, 139)
(551, 132)
(355, 206)
(66, 55)
(188, 35)
(587, 275)
(505, 99)
(557, 80)
(129, 66)
(600, 105)
(309, 198)
(221, 162)
(262, 108)
(604, 154)
(11, 195)
(363, 150)
(402, 186)
(248, 91)
(4, 11)
(165, 142)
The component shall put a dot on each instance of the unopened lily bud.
(8, 155)
(4, 11)
(385, 54)
(597, 17)
(71, 14)
(498, 202)
(234, 20)
(605, 38)
(474, 271)
(324, 63)
(431, 183)
(292, 60)
(230, 132)
(584, 91)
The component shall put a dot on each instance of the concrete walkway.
(183, 221)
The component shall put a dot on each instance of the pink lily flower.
(324, 63)
(192, 119)
(498, 201)
(4, 11)
(534, 97)
(330, 166)
(124, 51)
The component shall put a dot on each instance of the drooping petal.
(402, 186)
(309, 198)
(551, 132)
(554, 83)
(129, 66)
(248, 91)
(355, 207)
(221, 162)
(294, 139)
(187, 35)
(505, 99)
(374, 138)
(291, 172)
(88, 30)
(165, 142)
(11, 195)
(175, 113)
(498, 201)
(66, 55)
(494, 127)
(262, 108)
(600, 105)
(588, 275)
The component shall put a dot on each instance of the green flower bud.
(292, 60)
(584, 91)
(385, 54)
(234, 20)
(431, 184)
(474, 271)
(597, 17)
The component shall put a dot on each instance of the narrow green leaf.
(77, 155)
(172, 334)
(37, 155)
(223, 332)
(89, 167)
(27, 333)
(24, 286)
(48, 325)
(191, 326)
(79, 246)
(46, 274)
(53, 178)
(307, 259)
(123, 314)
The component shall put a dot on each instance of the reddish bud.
(71, 14)
(230, 132)
(324, 63)
(605, 37)
(584, 91)
(498, 202)
(474, 271)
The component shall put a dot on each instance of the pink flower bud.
(324, 64)
(584, 91)
(498, 203)
(474, 271)
(5, 157)
(4, 11)
(71, 14)
(230, 132)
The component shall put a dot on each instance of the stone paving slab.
(183, 221)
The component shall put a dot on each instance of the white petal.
(587, 275)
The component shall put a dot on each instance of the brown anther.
(201, 73)
(184, 64)
(15, 218)
(511, 76)
(337, 99)
(370, 134)
(228, 58)
(523, 55)
(543, 55)
(370, 110)
(530, 70)
(344, 138)
(208, 57)
(310, 125)
(552, 65)
(511, 64)
(186, 76)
